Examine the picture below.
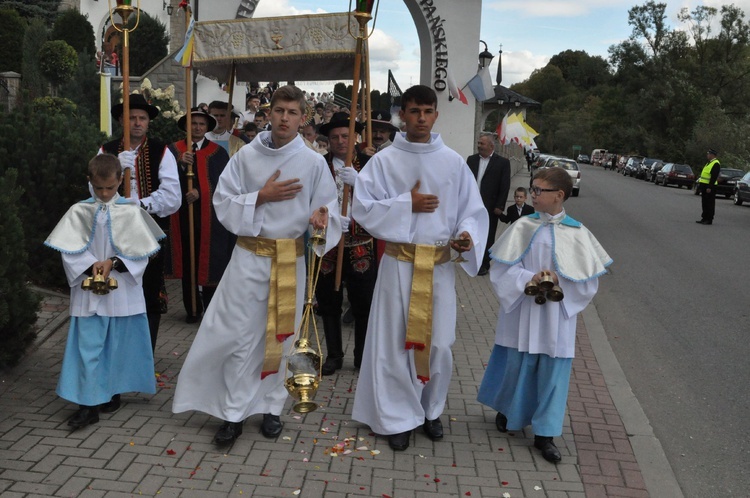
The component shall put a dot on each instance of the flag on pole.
(105, 101)
(185, 55)
(481, 85)
(455, 92)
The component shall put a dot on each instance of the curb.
(657, 473)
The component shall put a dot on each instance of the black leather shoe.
(111, 406)
(331, 365)
(483, 271)
(86, 415)
(399, 442)
(548, 448)
(704, 222)
(271, 426)
(228, 432)
(501, 421)
(192, 319)
(433, 429)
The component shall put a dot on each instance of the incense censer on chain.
(304, 360)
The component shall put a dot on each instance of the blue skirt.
(105, 356)
(529, 389)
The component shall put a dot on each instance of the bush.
(18, 305)
(58, 61)
(50, 145)
(72, 27)
(33, 81)
(149, 44)
(11, 39)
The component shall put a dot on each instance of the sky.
(529, 31)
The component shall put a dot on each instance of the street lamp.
(166, 7)
(485, 57)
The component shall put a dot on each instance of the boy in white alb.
(108, 351)
(268, 195)
(419, 196)
(528, 372)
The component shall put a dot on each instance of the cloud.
(279, 8)
(518, 66)
(552, 8)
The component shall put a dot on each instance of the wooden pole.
(367, 108)
(190, 175)
(232, 76)
(126, 101)
(350, 149)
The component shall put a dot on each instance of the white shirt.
(483, 162)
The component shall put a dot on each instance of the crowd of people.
(236, 199)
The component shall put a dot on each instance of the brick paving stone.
(126, 452)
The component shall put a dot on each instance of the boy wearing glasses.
(528, 373)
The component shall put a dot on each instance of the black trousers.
(490, 239)
(708, 202)
(153, 283)
(359, 272)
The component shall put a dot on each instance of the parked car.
(742, 190)
(727, 180)
(596, 156)
(675, 174)
(654, 169)
(539, 161)
(570, 166)
(644, 169)
(631, 167)
(583, 158)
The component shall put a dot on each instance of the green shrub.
(18, 305)
(75, 29)
(58, 61)
(11, 39)
(51, 151)
(33, 81)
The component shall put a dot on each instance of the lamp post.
(168, 8)
(485, 57)
(124, 9)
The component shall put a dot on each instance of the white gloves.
(348, 175)
(127, 160)
(345, 220)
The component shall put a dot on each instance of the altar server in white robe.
(528, 372)
(269, 193)
(419, 196)
(108, 350)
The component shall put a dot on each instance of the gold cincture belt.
(419, 326)
(282, 292)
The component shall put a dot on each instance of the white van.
(597, 156)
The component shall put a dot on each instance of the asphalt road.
(675, 309)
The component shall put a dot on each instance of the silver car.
(568, 165)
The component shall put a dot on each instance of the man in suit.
(518, 209)
(493, 176)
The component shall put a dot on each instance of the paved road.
(675, 310)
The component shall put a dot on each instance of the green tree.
(58, 61)
(149, 44)
(11, 39)
(74, 28)
(18, 305)
(51, 150)
(46, 10)
(33, 81)
(83, 88)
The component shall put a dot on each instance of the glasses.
(538, 190)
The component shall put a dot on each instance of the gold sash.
(419, 325)
(282, 292)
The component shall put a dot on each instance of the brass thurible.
(304, 361)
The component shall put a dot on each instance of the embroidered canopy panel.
(293, 48)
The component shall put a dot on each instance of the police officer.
(707, 187)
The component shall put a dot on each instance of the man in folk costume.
(155, 184)
(268, 195)
(224, 133)
(421, 198)
(359, 269)
(213, 243)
